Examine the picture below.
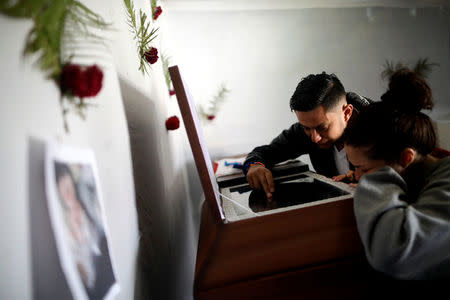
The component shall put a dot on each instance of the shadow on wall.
(48, 278)
(149, 186)
(168, 224)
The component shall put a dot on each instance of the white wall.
(262, 54)
(259, 54)
(261, 49)
(163, 218)
(30, 108)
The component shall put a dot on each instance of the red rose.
(172, 123)
(171, 92)
(156, 12)
(151, 55)
(94, 78)
(211, 117)
(72, 80)
(79, 82)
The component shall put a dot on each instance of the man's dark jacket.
(293, 142)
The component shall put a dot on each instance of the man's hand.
(259, 177)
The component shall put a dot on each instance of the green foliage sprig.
(51, 25)
(56, 23)
(140, 28)
(165, 64)
(422, 67)
(156, 10)
(214, 104)
(153, 4)
(153, 7)
(22, 8)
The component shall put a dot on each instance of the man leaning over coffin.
(323, 110)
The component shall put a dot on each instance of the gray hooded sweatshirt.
(406, 237)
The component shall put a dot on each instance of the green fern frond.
(89, 17)
(45, 37)
(57, 24)
(141, 33)
(423, 68)
(201, 112)
(219, 98)
(215, 103)
(165, 64)
(131, 15)
(390, 68)
(149, 38)
(50, 18)
(23, 8)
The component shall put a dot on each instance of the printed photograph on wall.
(78, 221)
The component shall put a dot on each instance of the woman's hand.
(347, 178)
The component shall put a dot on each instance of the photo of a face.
(85, 233)
(79, 226)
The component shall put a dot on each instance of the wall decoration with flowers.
(165, 64)
(143, 34)
(423, 67)
(147, 53)
(156, 10)
(172, 123)
(55, 23)
(209, 111)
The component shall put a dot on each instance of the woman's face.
(358, 157)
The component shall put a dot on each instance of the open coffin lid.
(198, 145)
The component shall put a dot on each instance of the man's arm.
(290, 144)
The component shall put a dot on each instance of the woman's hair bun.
(408, 92)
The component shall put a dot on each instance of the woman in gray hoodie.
(402, 200)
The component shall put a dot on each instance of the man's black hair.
(315, 90)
